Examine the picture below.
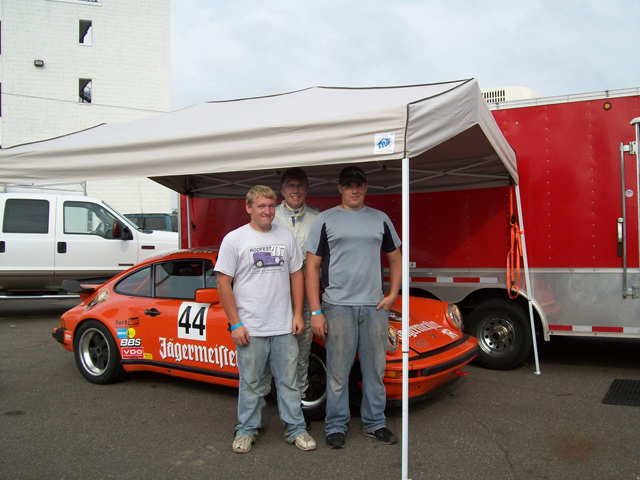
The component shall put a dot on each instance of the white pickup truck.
(47, 238)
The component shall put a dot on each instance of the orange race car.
(164, 315)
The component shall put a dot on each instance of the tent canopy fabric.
(220, 149)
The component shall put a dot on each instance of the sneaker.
(335, 440)
(242, 443)
(304, 441)
(383, 435)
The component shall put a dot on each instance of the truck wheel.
(259, 264)
(97, 354)
(503, 332)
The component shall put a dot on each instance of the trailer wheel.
(503, 332)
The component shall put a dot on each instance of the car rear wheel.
(503, 332)
(97, 354)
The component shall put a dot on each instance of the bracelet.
(233, 327)
(317, 312)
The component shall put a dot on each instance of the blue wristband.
(317, 312)
(233, 327)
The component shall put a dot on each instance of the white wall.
(133, 195)
(128, 62)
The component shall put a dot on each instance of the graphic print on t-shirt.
(267, 258)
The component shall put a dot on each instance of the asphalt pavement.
(489, 425)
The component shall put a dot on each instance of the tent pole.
(527, 277)
(189, 221)
(405, 318)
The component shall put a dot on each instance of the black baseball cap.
(352, 174)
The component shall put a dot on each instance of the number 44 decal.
(192, 320)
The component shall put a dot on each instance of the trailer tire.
(503, 332)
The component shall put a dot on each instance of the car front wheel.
(97, 354)
(315, 401)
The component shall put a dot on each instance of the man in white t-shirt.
(264, 262)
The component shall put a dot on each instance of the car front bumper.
(429, 371)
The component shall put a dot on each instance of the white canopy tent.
(446, 129)
(413, 138)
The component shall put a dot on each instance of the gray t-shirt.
(351, 243)
(261, 264)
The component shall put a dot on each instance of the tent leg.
(189, 221)
(527, 276)
(405, 318)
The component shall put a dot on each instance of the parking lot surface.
(488, 425)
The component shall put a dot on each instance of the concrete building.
(68, 65)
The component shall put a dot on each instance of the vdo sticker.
(192, 320)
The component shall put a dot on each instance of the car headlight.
(454, 316)
(392, 337)
(101, 297)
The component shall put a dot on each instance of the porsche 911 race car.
(164, 315)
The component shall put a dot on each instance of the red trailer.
(578, 165)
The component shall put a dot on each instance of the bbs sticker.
(192, 320)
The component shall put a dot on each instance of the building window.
(85, 32)
(85, 90)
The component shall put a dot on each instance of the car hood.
(426, 331)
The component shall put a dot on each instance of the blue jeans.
(281, 352)
(305, 339)
(351, 330)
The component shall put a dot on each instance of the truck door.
(629, 222)
(26, 244)
(85, 246)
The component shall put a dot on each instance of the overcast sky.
(223, 49)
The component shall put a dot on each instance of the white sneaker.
(242, 443)
(304, 441)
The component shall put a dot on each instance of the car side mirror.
(121, 231)
(207, 295)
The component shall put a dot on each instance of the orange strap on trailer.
(515, 252)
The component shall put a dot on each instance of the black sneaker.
(335, 440)
(383, 435)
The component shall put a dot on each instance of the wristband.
(317, 312)
(233, 327)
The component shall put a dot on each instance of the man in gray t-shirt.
(345, 244)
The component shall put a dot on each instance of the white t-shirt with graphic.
(261, 264)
